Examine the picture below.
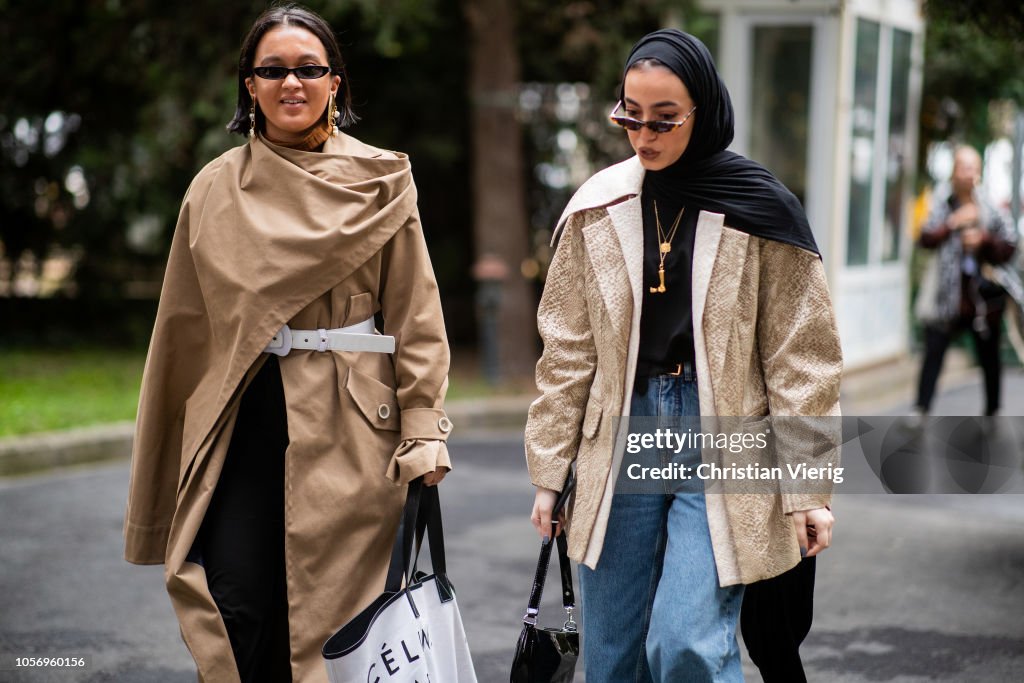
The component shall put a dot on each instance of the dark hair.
(290, 14)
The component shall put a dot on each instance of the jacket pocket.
(592, 417)
(376, 401)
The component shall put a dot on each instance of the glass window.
(862, 141)
(896, 150)
(780, 102)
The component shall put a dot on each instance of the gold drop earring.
(252, 119)
(332, 116)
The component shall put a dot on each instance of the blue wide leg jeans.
(653, 610)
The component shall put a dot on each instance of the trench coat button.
(444, 424)
(384, 411)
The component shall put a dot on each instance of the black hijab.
(707, 176)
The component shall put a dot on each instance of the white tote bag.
(412, 634)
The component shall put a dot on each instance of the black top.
(666, 319)
(706, 177)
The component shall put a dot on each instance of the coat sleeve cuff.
(415, 457)
(799, 502)
(426, 424)
(145, 544)
(552, 476)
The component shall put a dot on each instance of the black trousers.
(241, 541)
(986, 349)
(775, 618)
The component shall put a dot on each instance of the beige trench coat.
(267, 236)
(766, 343)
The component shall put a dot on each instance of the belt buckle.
(281, 344)
(679, 370)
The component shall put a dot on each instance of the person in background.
(958, 291)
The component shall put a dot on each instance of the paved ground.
(916, 588)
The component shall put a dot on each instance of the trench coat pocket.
(360, 308)
(592, 417)
(376, 401)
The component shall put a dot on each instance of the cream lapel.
(603, 189)
(705, 251)
(628, 221)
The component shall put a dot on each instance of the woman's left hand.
(434, 478)
(813, 530)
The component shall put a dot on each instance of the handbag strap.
(565, 573)
(422, 512)
(568, 597)
(429, 521)
(401, 550)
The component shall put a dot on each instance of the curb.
(22, 455)
(35, 452)
(869, 391)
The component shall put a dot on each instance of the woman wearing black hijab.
(686, 283)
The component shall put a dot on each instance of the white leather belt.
(359, 337)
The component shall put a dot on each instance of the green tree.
(130, 97)
(973, 53)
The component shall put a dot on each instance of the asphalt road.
(915, 588)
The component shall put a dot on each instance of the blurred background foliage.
(974, 50)
(115, 104)
(111, 106)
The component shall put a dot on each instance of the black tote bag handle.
(422, 512)
(429, 521)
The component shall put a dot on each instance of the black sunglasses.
(629, 123)
(279, 73)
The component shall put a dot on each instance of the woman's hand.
(543, 504)
(964, 217)
(813, 530)
(972, 238)
(434, 478)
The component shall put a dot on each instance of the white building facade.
(827, 95)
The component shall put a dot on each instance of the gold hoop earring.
(332, 116)
(252, 119)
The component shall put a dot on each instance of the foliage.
(584, 40)
(1001, 19)
(44, 390)
(973, 53)
(47, 390)
(584, 43)
(117, 103)
(136, 93)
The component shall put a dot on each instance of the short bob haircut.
(289, 15)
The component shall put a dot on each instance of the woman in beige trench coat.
(686, 282)
(269, 480)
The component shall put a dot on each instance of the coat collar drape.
(295, 224)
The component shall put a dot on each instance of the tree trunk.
(500, 224)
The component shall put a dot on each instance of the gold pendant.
(666, 247)
(660, 289)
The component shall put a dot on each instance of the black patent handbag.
(548, 655)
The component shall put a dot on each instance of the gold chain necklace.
(664, 246)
